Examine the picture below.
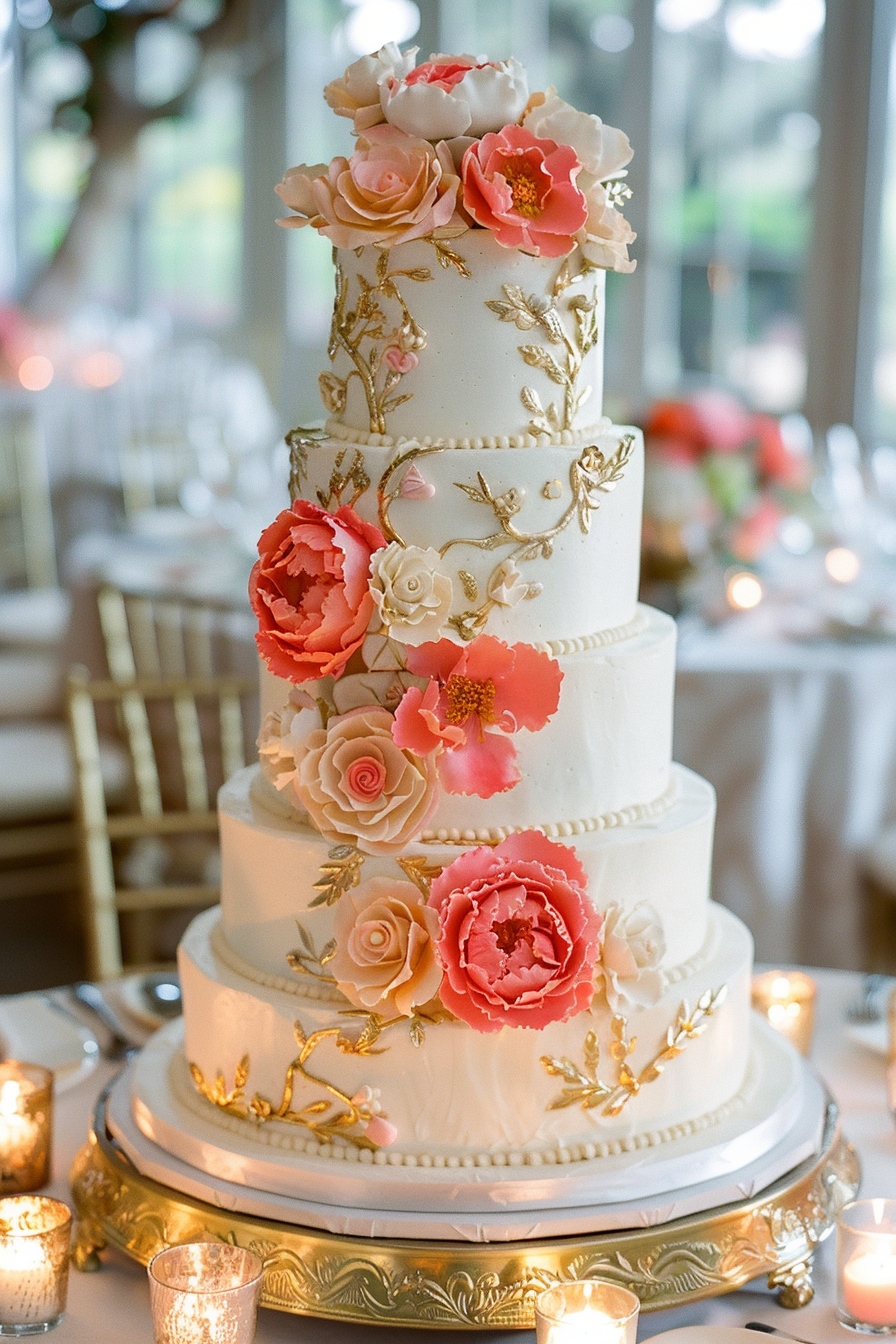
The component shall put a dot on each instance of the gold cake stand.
(463, 1285)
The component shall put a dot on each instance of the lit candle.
(589, 1311)
(26, 1095)
(869, 1287)
(866, 1265)
(204, 1293)
(787, 1000)
(34, 1239)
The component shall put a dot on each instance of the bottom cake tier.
(284, 1066)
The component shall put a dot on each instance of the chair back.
(27, 547)
(184, 737)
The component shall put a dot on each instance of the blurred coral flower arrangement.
(719, 479)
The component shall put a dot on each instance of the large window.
(733, 164)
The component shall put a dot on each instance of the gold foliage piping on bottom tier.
(584, 1088)
(322, 1117)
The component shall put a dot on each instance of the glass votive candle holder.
(34, 1238)
(866, 1266)
(204, 1293)
(26, 1119)
(787, 1000)
(586, 1311)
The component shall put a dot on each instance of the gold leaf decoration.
(446, 256)
(532, 312)
(339, 874)
(583, 1086)
(355, 475)
(306, 960)
(299, 441)
(420, 871)
(469, 585)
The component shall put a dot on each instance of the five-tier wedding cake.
(465, 924)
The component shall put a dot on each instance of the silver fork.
(868, 1007)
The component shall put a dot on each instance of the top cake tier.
(464, 340)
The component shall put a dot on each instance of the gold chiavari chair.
(204, 716)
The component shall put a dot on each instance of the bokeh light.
(842, 564)
(743, 591)
(101, 368)
(35, 373)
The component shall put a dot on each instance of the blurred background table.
(799, 740)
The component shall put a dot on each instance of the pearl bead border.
(566, 438)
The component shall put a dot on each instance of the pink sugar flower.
(524, 190)
(518, 935)
(476, 697)
(402, 361)
(310, 590)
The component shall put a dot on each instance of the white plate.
(37, 1030)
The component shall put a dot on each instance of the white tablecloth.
(799, 740)
(113, 1305)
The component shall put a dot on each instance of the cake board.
(442, 1284)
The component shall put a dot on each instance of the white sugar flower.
(280, 732)
(356, 93)
(632, 948)
(601, 150)
(413, 594)
(507, 586)
(448, 96)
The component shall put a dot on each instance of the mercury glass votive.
(26, 1117)
(866, 1266)
(204, 1293)
(586, 1311)
(34, 1239)
(787, 1000)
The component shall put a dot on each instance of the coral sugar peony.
(475, 698)
(518, 936)
(310, 591)
(524, 190)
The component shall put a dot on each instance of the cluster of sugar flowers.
(458, 142)
(397, 713)
(505, 937)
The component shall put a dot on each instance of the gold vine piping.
(365, 324)
(584, 1088)
(585, 1151)
(563, 366)
(323, 1117)
(591, 476)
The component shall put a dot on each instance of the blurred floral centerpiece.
(718, 482)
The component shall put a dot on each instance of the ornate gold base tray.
(460, 1285)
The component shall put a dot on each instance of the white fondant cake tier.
(467, 374)
(458, 1093)
(270, 865)
(169, 1137)
(606, 749)
(587, 568)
